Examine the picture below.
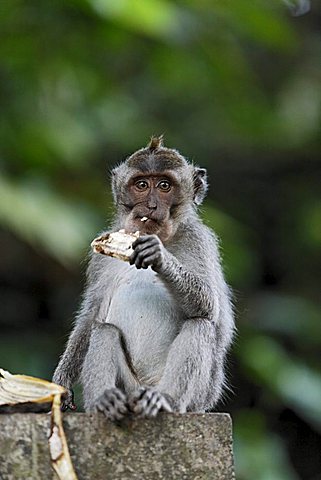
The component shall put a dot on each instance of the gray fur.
(176, 318)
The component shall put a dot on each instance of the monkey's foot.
(68, 401)
(113, 404)
(147, 402)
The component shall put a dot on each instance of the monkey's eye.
(141, 185)
(164, 185)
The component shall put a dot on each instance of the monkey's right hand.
(148, 252)
(113, 404)
(68, 401)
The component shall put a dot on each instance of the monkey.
(152, 335)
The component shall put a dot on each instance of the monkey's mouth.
(148, 224)
(147, 220)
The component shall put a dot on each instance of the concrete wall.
(191, 447)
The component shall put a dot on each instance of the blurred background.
(236, 87)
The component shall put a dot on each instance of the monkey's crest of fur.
(155, 142)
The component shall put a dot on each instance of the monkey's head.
(158, 185)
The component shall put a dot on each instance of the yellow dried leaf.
(24, 391)
(17, 389)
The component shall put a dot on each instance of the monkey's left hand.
(147, 403)
(148, 252)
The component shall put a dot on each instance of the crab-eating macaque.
(152, 334)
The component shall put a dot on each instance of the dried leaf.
(59, 453)
(24, 393)
(22, 389)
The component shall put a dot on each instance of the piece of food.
(116, 244)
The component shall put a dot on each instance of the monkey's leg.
(105, 367)
(189, 381)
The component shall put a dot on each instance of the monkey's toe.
(113, 404)
(148, 403)
(68, 401)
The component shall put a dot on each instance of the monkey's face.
(156, 189)
(150, 201)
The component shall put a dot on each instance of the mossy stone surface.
(190, 446)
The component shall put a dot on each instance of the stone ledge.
(185, 447)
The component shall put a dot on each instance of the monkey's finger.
(145, 238)
(143, 402)
(115, 404)
(141, 392)
(116, 413)
(106, 413)
(115, 394)
(152, 260)
(146, 258)
(102, 409)
(137, 409)
(137, 395)
(153, 406)
(139, 259)
(155, 410)
(68, 405)
(158, 403)
(118, 397)
(118, 406)
(111, 411)
(142, 249)
(165, 406)
(148, 250)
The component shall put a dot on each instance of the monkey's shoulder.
(194, 237)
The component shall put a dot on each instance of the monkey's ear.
(200, 185)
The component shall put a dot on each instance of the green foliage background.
(235, 86)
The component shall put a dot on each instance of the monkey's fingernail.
(137, 409)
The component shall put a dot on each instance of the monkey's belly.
(150, 320)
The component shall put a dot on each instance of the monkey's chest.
(149, 319)
(143, 307)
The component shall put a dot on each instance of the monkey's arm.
(194, 294)
(70, 364)
(194, 291)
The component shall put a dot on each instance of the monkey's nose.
(152, 206)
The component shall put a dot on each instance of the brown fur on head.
(164, 210)
(156, 157)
